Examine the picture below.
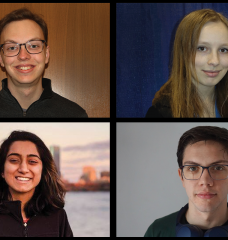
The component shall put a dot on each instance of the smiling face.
(21, 32)
(22, 169)
(205, 154)
(212, 54)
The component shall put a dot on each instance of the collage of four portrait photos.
(171, 152)
(55, 120)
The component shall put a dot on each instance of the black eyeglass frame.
(202, 171)
(20, 44)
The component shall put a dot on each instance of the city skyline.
(81, 144)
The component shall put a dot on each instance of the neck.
(26, 94)
(209, 219)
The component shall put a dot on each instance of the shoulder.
(161, 108)
(163, 227)
(67, 107)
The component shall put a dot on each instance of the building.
(56, 155)
(89, 174)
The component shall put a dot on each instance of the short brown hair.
(201, 133)
(22, 14)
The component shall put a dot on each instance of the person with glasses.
(202, 157)
(24, 53)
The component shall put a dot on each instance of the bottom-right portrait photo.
(172, 179)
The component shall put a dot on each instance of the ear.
(180, 175)
(3, 175)
(1, 61)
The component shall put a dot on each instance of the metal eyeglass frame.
(20, 44)
(202, 171)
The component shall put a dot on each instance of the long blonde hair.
(184, 98)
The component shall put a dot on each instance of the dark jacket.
(49, 105)
(163, 227)
(11, 224)
(161, 109)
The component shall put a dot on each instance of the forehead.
(23, 147)
(21, 31)
(214, 32)
(205, 151)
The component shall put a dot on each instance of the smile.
(25, 69)
(22, 179)
(211, 73)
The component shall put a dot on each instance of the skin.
(25, 87)
(211, 56)
(23, 166)
(206, 213)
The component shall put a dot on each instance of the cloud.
(96, 146)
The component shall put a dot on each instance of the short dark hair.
(50, 192)
(201, 133)
(22, 14)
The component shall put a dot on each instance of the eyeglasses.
(32, 47)
(194, 172)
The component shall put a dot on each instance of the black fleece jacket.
(12, 225)
(49, 105)
(161, 109)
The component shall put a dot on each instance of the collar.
(14, 207)
(46, 84)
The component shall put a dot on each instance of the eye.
(32, 162)
(13, 160)
(224, 50)
(201, 48)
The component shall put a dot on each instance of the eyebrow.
(209, 43)
(219, 161)
(19, 155)
(10, 40)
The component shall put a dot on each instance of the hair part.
(23, 14)
(50, 192)
(184, 98)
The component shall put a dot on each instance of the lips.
(206, 195)
(25, 65)
(211, 73)
(25, 68)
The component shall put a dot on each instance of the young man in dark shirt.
(24, 53)
(203, 169)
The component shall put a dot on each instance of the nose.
(205, 178)
(213, 59)
(23, 54)
(23, 167)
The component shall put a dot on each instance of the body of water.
(88, 213)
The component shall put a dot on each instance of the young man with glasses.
(203, 169)
(24, 53)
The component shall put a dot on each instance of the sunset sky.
(81, 144)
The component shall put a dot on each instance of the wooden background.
(79, 40)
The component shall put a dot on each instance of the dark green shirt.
(163, 227)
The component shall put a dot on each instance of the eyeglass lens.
(217, 172)
(12, 49)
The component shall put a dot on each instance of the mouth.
(25, 68)
(206, 195)
(23, 179)
(211, 73)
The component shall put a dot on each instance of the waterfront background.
(88, 213)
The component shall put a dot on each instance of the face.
(23, 168)
(205, 154)
(21, 32)
(212, 54)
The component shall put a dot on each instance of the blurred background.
(82, 155)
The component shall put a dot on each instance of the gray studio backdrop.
(148, 186)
